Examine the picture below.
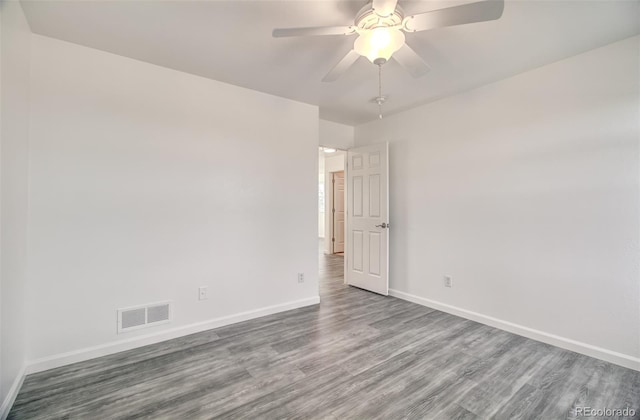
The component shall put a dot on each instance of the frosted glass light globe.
(379, 44)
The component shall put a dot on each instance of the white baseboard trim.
(81, 355)
(555, 340)
(13, 393)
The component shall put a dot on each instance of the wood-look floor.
(355, 356)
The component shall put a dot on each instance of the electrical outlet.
(300, 277)
(202, 293)
(448, 282)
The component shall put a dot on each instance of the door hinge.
(333, 239)
(333, 210)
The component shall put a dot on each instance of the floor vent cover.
(143, 316)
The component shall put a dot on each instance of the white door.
(367, 238)
(338, 212)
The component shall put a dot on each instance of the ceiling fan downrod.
(380, 99)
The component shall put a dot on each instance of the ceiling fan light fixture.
(379, 44)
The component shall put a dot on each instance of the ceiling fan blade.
(315, 31)
(457, 15)
(342, 66)
(384, 7)
(411, 61)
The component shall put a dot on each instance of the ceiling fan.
(381, 24)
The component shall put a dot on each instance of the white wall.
(526, 192)
(334, 162)
(339, 136)
(14, 135)
(147, 183)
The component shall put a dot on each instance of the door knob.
(383, 225)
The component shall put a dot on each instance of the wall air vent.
(142, 316)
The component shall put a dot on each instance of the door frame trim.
(346, 253)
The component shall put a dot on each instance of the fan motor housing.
(367, 18)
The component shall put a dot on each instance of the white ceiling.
(231, 41)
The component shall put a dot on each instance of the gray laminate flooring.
(355, 356)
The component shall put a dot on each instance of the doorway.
(356, 229)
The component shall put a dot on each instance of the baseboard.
(81, 355)
(555, 340)
(13, 393)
